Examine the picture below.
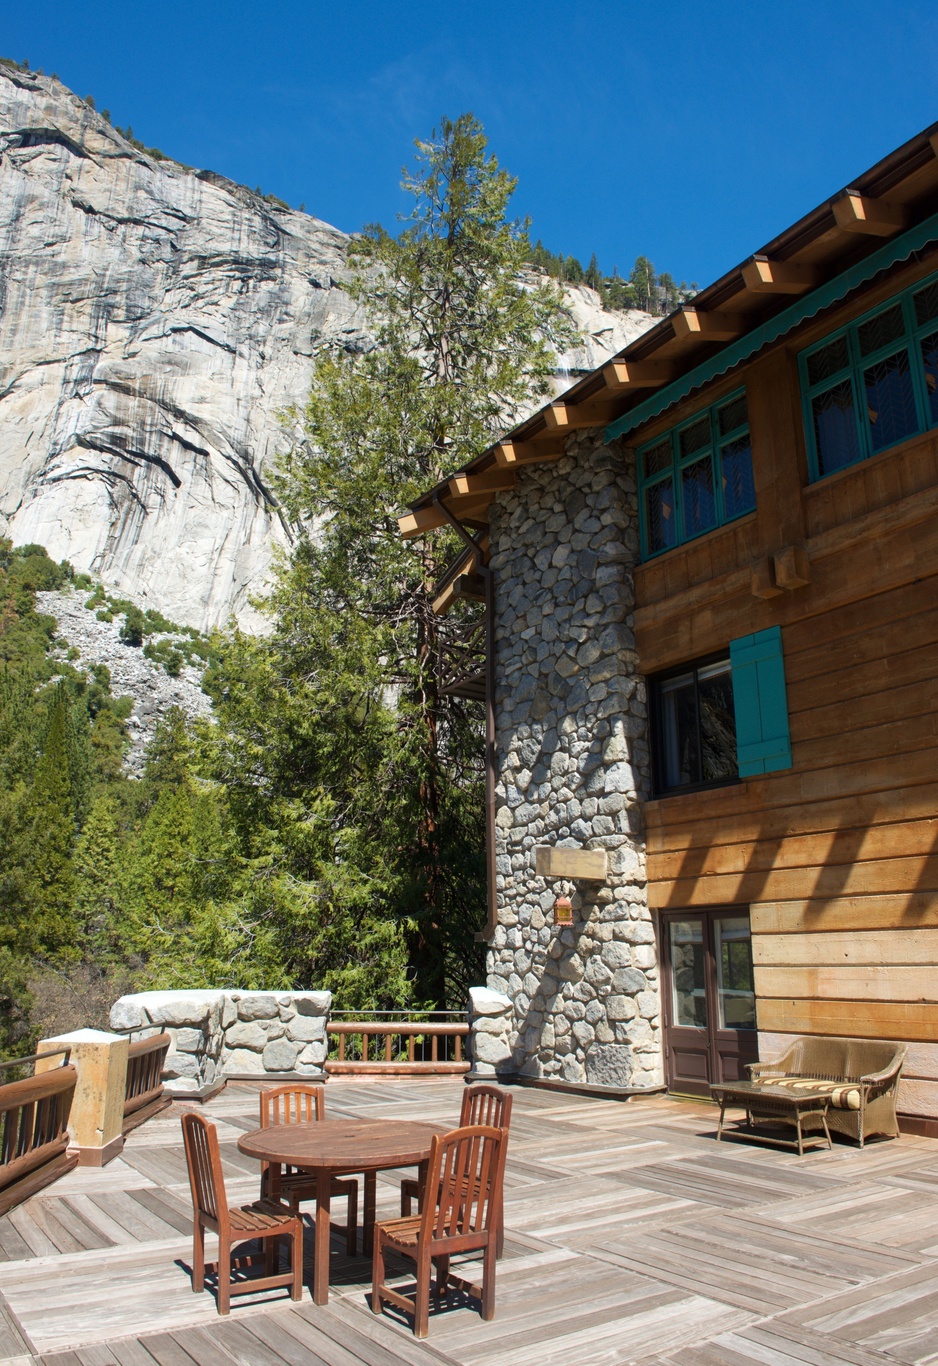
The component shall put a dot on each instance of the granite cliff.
(154, 321)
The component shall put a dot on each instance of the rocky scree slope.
(133, 675)
(154, 321)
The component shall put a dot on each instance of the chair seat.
(843, 1095)
(260, 1215)
(401, 1232)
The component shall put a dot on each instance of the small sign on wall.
(557, 860)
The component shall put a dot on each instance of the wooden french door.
(709, 1000)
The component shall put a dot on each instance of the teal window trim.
(677, 472)
(763, 739)
(831, 292)
(857, 363)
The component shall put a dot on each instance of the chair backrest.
(203, 1159)
(463, 1182)
(485, 1105)
(295, 1103)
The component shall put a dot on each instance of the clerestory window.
(874, 383)
(696, 476)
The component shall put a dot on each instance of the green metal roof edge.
(897, 250)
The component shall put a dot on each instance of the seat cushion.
(844, 1095)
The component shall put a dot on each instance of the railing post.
(97, 1114)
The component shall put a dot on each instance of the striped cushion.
(843, 1095)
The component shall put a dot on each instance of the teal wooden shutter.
(763, 742)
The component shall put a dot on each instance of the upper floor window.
(873, 384)
(694, 726)
(722, 718)
(696, 476)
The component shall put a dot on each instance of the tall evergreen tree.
(51, 822)
(643, 281)
(388, 770)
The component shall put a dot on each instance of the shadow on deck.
(632, 1237)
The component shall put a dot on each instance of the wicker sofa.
(863, 1076)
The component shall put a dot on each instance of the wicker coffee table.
(766, 1104)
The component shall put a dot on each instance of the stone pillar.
(573, 769)
(193, 1021)
(97, 1114)
(490, 1019)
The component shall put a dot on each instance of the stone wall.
(573, 768)
(230, 1033)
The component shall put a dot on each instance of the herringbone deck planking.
(632, 1237)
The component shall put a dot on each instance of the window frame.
(719, 441)
(659, 789)
(910, 341)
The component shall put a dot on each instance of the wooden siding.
(837, 857)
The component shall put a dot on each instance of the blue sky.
(692, 132)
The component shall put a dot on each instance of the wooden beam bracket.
(762, 276)
(619, 375)
(792, 569)
(855, 212)
(689, 323)
(762, 579)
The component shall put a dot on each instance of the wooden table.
(774, 1104)
(338, 1147)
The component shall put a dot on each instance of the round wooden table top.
(349, 1145)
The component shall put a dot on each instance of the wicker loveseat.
(863, 1076)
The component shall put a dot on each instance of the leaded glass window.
(875, 384)
(696, 477)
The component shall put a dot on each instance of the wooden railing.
(34, 1128)
(369, 1042)
(143, 1091)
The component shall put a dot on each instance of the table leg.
(720, 1122)
(826, 1130)
(369, 1213)
(321, 1259)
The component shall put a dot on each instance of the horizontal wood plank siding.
(915, 983)
(836, 857)
(897, 947)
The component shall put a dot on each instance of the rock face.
(154, 321)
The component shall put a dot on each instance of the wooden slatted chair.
(265, 1220)
(480, 1105)
(460, 1214)
(300, 1103)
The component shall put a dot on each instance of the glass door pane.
(688, 973)
(736, 996)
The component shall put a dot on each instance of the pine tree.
(643, 282)
(372, 776)
(96, 866)
(50, 818)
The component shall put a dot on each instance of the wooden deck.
(631, 1237)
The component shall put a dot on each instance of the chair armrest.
(765, 1069)
(888, 1074)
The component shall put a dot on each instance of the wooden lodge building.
(710, 667)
